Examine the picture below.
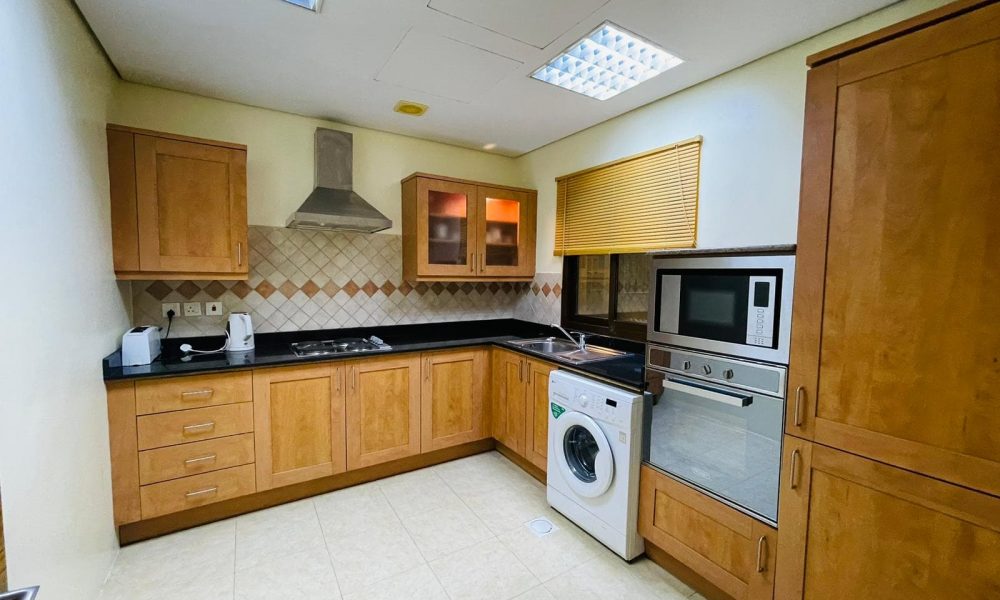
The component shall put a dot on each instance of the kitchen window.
(588, 303)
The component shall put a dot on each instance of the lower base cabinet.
(299, 424)
(452, 400)
(729, 549)
(536, 420)
(383, 409)
(520, 405)
(856, 528)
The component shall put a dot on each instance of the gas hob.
(339, 346)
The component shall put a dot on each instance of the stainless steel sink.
(25, 594)
(566, 350)
(546, 345)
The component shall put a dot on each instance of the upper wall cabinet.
(457, 230)
(178, 206)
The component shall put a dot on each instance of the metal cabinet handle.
(427, 369)
(198, 394)
(482, 262)
(354, 378)
(472, 261)
(195, 493)
(797, 417)
(762, 554)
(199, 427)
(199, 459)
(793, 479)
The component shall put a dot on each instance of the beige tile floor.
(454, 531)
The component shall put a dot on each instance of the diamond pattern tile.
(331, 280)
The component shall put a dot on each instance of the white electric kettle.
(240, 332)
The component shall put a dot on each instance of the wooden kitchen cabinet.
(178, 206)
(894, 335)
(453, 409)
(536, 441)
(520, 391)
(509, 389)
(299, 424)
(855, 528)
(383, 409)
(459, 230)
(729, 549)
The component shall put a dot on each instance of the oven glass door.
(724, 440)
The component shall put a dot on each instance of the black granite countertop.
(272, 349)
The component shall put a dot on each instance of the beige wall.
(61, 310)
(751, 119)
(280, 160)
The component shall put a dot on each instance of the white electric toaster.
(140, 345)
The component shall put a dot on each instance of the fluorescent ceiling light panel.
(606, 62)
(312, 5)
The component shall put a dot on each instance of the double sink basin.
(566, 350)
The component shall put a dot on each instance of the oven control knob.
(686, 365)
(706, 369)
(728, 373)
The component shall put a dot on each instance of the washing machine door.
(583, 454)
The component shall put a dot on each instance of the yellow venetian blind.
(644, 202)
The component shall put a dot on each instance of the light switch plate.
(192, 309)
(213, 308)
(170, 306)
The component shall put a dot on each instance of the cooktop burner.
(339, 346)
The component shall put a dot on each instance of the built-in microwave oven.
(738, 305)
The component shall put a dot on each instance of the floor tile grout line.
(427, 563)
(326, 545)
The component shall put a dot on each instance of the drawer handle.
(199, 459)
(793, 477)
(199, 427)
(203, 492)
(762, 554)
(198, 394)
(797, 419)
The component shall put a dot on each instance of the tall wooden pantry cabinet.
(891, 467)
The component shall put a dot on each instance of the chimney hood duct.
(333, 205)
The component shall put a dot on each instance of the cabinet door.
(383, 410)
(299, 424)
(451, 402)
(506, 236)
(895, 344)
(536, 443)
(192, 206)
(731, 550)
(855, 528)
(446, 228)
(508, 399)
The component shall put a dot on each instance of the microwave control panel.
(760, 311)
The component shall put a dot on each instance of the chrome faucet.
(581, 343)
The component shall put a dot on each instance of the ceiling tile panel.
(534, 22)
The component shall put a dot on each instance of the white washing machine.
(595, 446)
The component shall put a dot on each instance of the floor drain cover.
(541, 526)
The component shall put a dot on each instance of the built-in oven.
(715, 423)
(735, 305)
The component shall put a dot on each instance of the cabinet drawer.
(198, 490)
(169, 429)
(728, 548)
(172, 462)
(164, 395)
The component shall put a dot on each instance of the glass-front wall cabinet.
(455, 230)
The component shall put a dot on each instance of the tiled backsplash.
(326, 280)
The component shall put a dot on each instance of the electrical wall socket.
(170, 306)
(192, 309)
(213, 308)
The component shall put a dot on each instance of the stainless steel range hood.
(333, 205)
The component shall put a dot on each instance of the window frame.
(610, 325)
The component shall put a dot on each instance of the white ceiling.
(469, 60)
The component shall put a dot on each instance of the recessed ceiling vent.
(333, 205)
